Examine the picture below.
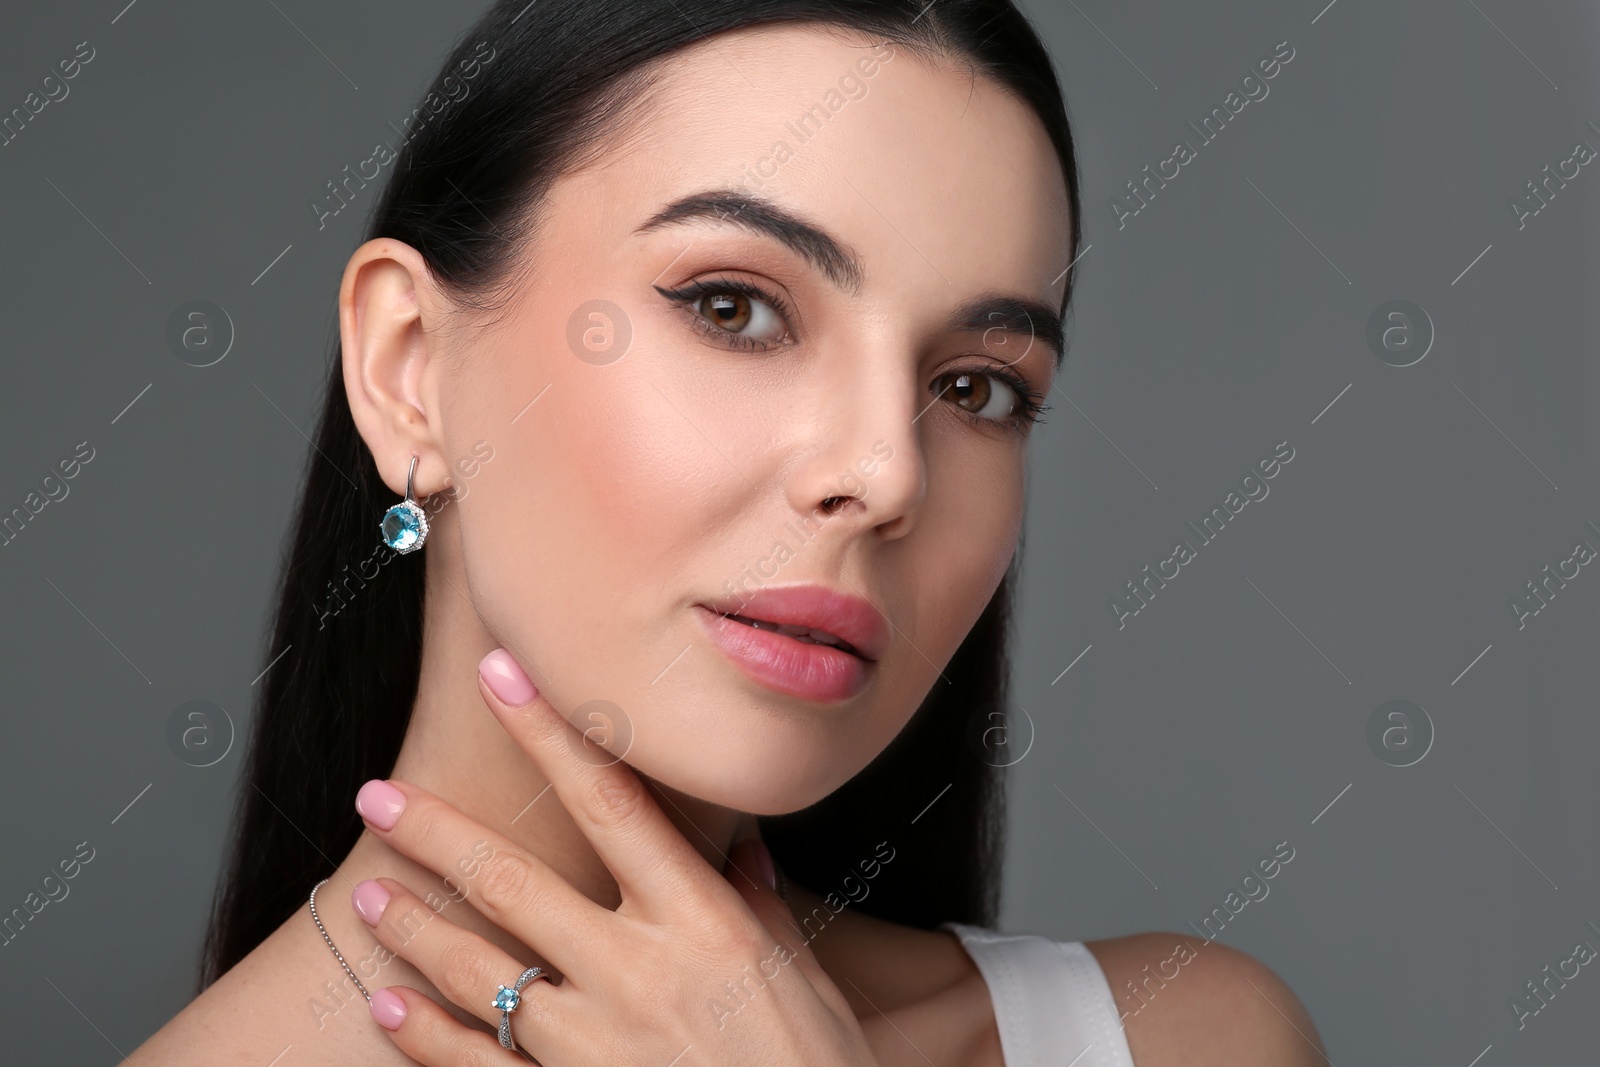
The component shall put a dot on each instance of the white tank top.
(1052, 1003)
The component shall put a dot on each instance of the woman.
(690, 339)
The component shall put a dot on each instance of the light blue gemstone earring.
(405, 526)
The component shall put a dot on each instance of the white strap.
(1052, 1004)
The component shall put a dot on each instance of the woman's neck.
(455, 748)
(291, 991)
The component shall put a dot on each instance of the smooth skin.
(619, 494)
(643, 983)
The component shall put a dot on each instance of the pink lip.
(800, 668)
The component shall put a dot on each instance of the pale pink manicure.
(505, 679)
(369, 899)
(380, 803)
(388, 1009)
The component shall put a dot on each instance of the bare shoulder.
(1185, 1000)
(281, 995)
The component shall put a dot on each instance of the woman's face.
(826, 340)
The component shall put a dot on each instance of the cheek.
(641, 491)
(966, 537)
(972, 527)
(585, 528)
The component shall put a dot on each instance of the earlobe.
(388, 312)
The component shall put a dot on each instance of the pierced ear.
(389, 312)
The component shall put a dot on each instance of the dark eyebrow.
(1031, 319)
(758, 215)
(762, 216)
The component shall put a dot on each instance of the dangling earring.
(405, 526)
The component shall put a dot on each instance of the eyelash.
(1030, 405)
(695, 291)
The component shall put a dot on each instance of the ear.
(390, 314)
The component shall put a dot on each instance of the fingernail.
(388, 1009)
(763, 857)
(369, 899)
(380, 803)
(505, 679)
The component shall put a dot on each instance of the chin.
(746, 719)
(745, 754)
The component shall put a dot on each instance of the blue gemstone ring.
(508, 999)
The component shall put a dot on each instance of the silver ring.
(507, 1000)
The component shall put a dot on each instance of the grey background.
(1227, 316)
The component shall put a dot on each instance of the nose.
(860, 459)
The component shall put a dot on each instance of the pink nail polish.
(506, 679)
(369, 899)
(380, 803)
(388, 1009)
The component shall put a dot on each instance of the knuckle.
(548, 732)
(729, 931)
(464, 974)
(741, 940)
(617, 800)
(504, 881)
(422, 819)
(403, 926)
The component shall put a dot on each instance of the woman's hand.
(694, 966)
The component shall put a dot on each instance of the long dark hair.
(524, 96)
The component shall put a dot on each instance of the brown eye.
(981, 394)
(738, 314)
(730, 311)
(747, 319)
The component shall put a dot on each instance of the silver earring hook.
(405, 525)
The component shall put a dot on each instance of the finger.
(510, 886)
(468, 970)
(751, 876)
(639, 845)
(432, 1036)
